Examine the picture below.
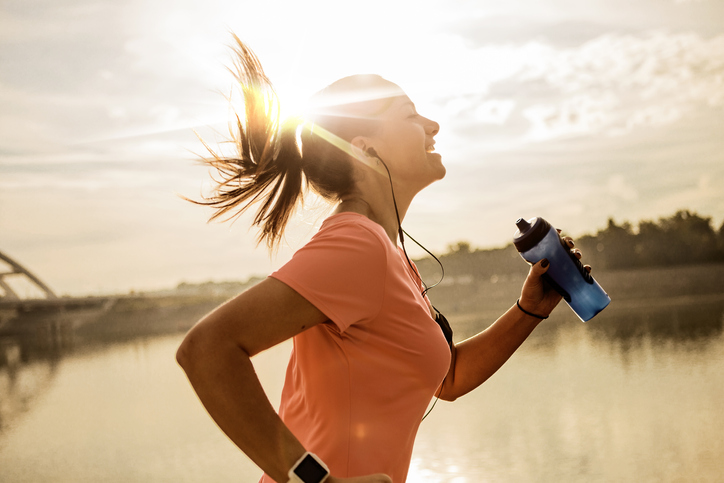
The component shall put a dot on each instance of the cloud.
(570, 23)
(654, 78)
(579, 114)
(494, 111)
(620, 188)
(609, 85)
(519, 29)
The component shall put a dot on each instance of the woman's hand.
(379, 478)
(537, 296)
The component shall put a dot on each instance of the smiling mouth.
(430, 148)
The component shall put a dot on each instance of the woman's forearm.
(224, 379)
(479, 357)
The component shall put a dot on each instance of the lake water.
(630, 396)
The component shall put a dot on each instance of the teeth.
(430, 148)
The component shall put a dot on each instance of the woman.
(368, 355)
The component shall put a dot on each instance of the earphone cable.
(442, 267)
(402, 233)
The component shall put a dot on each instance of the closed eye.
(409, 105)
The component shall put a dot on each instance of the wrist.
(532, 314)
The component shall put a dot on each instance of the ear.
(360, 144)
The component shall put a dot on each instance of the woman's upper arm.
(259, 318)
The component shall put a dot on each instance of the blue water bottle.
(536, 239)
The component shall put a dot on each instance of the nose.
(431, 127)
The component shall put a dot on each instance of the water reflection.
(27, 368)
(661, 323)
(33, 344)
(625, 325)
(633, 395)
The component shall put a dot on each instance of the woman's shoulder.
(342, 270)
(348, 238)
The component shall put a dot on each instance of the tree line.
(682, 238)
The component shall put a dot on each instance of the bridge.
(20, 313)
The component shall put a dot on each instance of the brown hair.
(276, 161)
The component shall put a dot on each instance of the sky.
(574, 111)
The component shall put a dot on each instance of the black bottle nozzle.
(523, 225)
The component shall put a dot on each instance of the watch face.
(309, 471)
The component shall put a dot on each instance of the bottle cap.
(529, 233)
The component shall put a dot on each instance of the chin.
(440, 169)
(437, 173)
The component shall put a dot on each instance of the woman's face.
(405, 142)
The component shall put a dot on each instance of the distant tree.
(458, 258)
(689, 238)
(684, 237)
(648, 245)
(459, 247)
(615, 245)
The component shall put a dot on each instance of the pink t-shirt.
(357, 386)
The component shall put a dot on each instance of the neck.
(374, 200)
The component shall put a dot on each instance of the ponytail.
(267, 165)
(274, 163)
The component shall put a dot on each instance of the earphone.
(359, 152)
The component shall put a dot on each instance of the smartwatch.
(309, 469)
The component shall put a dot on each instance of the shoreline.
(462, 300)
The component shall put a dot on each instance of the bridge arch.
(15, 269)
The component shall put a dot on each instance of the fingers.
(541, 267)
(571, 244)
(575, 251)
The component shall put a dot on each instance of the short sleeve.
(341, 271)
